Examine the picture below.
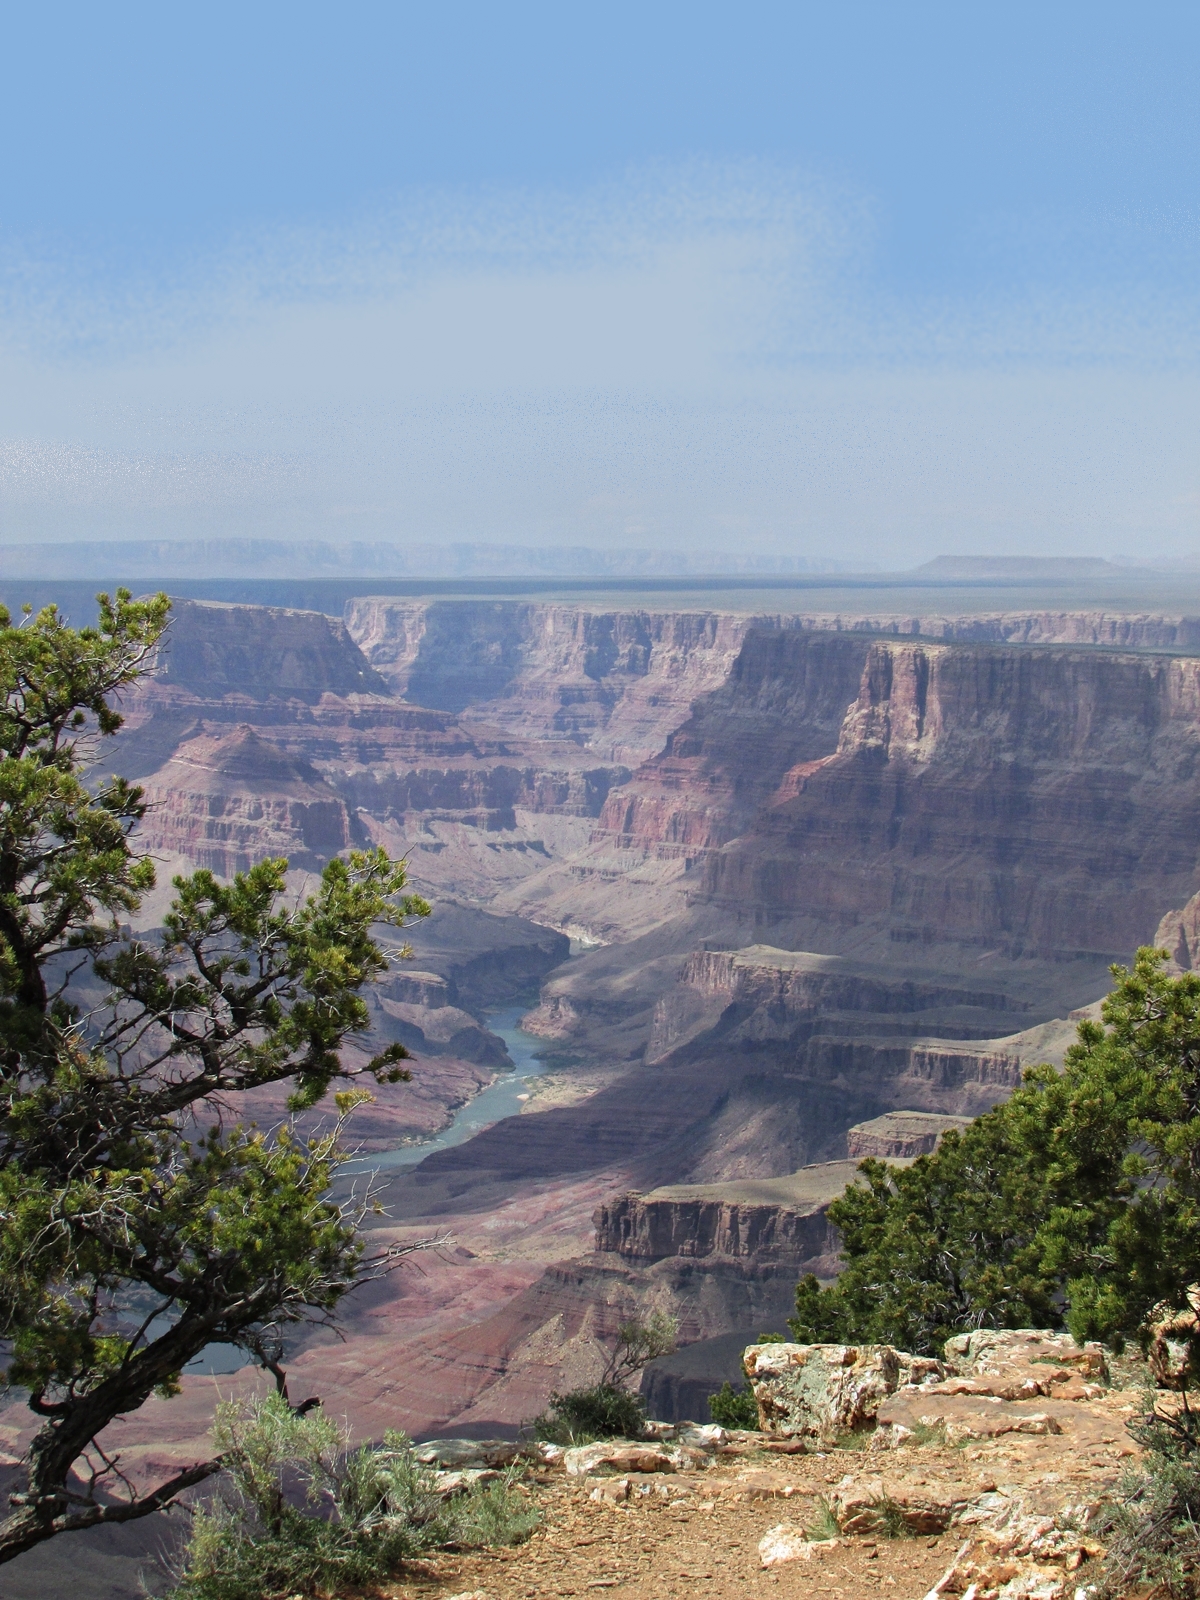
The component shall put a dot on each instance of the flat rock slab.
(971, 1416)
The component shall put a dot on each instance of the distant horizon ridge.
(248, 557)
(243, 556)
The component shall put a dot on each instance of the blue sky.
(852, 282)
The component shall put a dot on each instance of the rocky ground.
(702, 1532)
(994, 1485)
(672, 1547)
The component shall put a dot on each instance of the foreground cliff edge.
(997, 1489)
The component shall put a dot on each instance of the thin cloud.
(693, 354)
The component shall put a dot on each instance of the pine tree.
(138, 1223)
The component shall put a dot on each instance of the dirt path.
(634, 1553)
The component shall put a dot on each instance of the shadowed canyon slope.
(616, 682)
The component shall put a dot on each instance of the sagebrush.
(299, 1514)
(1153, 1526)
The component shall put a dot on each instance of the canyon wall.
(1037, 802)
(772, 1220)
(412, 778)
(1108, 629)
(225, 802)
(842, 874)
(1030, 800)
(260, 651)
(780, 709)
(617, 682)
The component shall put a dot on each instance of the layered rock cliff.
(768, 1220)
(1030, 802)
(298, 655)
(780, 711)
(412, 778)
(226, 802)
(760, 993)
(617, 682)
(899, 1133)
(1120, 630)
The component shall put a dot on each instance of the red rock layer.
(782, 707)
(299, 681)
(1039, 802)
(226, 802)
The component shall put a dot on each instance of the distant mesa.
(1022, 569)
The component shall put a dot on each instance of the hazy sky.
(849, 281)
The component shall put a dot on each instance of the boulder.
(617, 1455)
(613, 1491)
(959, 1416)
(1018, 1554)
(660, 1430)
(786, 1542)
(824, 1390)
(1009, 1579)
(709, 1436)
(871, 1506)
(1019, 1363)
(468, 1454)
(448, 1484)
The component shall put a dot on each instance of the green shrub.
(362, 1512)
(602, 1412)
(1074, 1202)
(824, 1524)
(1153, 1530)
(733, 1408)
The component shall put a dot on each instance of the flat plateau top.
(802, 1191)
(886, 595)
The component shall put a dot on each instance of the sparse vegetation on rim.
(608, 1410)
(298, 1511)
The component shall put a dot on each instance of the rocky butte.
(831, 884)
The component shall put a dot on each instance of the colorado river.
(504, 1098)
